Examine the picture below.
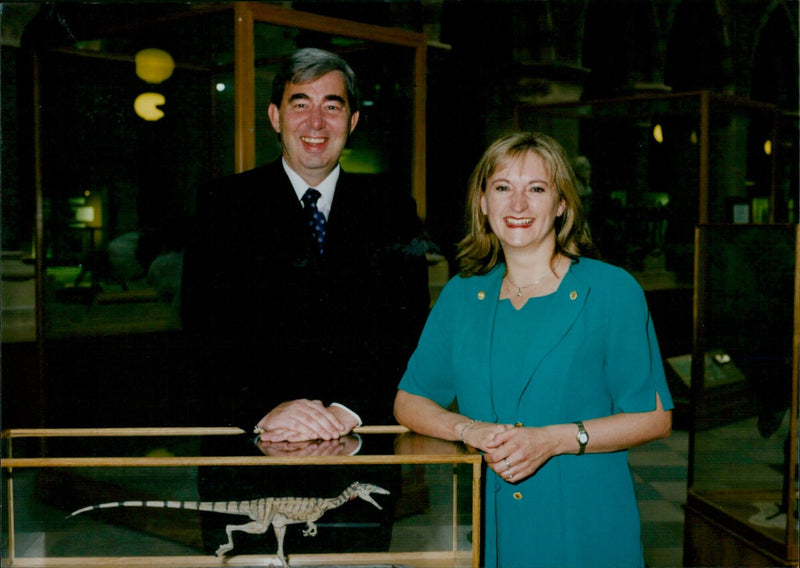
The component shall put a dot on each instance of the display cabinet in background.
(651, 167)
(425, 514)
(742, 500)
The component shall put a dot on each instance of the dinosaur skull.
(364, 491)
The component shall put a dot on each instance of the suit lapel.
(277, 215)
(273, 196)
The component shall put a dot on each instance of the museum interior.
(681, 118)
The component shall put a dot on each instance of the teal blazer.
(601, 358)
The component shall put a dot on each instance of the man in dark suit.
(304, 337)
(296, 326)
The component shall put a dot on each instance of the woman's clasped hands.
(515, 453)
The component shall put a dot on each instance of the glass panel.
(428, 507)
(118, 184)
(743, 400)
(787, 176)
(18, 288)
(119, 190)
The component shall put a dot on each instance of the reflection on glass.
(429, 510)
(126, 140)
(119, 187)
(741, 452)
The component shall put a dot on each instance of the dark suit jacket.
(274, 322)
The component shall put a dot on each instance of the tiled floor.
(734, 456)
(660, 470)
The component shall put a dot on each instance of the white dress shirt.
(326, 188)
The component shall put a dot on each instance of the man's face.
(314, 121)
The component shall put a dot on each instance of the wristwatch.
(582, 437)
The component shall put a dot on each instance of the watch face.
(583, 437)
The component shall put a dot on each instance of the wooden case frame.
(410, 449)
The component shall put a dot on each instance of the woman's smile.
(519, 222)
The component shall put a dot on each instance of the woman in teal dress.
(553, 362)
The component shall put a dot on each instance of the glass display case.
(139, 105)
(184, 496)
(742, 501)
(131, 107)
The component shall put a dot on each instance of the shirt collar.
(326, 188)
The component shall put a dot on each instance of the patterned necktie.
(316, 220)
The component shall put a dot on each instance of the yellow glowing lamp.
(768, 147)
(658, 134)
(154, 65)
(146, 105)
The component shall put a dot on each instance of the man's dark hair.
(308, 64)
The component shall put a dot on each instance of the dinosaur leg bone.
(251, 528)
(280, 532)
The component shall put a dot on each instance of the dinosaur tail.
(229, 507)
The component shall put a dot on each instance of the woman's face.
(521, 203)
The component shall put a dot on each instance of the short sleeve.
(633, 363)
(430, 371)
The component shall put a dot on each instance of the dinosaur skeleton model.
(276, 511)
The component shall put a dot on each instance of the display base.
(719, 530)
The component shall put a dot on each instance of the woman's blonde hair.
(480, 250)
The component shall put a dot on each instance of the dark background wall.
(484, 58)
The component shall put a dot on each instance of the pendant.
(519, 291)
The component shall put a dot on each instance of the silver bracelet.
(464, 428)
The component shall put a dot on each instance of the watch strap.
(582, 437)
